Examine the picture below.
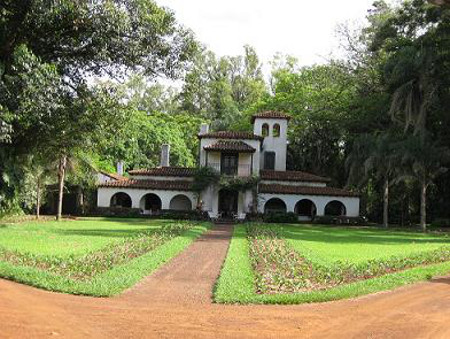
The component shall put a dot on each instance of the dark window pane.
(229, 164)
(269, 160)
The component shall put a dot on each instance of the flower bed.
(280, 269)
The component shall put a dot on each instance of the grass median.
(306, 269)
(95, 256)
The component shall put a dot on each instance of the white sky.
(304, 29)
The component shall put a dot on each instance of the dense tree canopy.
(48, 52)
(376, 121)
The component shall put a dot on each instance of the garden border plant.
(117, 267)
(237, 282)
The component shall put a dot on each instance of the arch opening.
(150, 204)
(180, 202)
(120, 199)
(228, 203)
(306, 209)
(335, 208)
(276, 130)
(265, 130)
(275, 205)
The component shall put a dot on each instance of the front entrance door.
(228, 203)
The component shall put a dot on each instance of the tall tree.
(222, 89)
(318, 99)
(48, 52)
(425, 161)
(375, 157)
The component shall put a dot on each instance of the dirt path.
(190, 277)
(175, 302)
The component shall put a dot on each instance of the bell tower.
(272, 126)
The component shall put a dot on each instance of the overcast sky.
(304, 29)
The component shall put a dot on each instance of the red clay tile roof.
(270, 115)
(165, 172)
(230, 145)
(114, 175)
(168, 185)
(291, 176)
(231, 135)
(305, 190)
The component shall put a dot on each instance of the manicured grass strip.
(93, 263)
(108, 283)
(329, 244)
(237, 280)
(236, 283)
(72, 237)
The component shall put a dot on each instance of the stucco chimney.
(204, 128)
(120, 168)
(165, 155)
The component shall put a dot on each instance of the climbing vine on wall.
(240, 184)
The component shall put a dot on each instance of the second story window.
(265, 130)
(269, 160)
(229, 163)
(276, 130)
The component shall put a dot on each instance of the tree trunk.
(38, 198)
(61, 173)
(423, 206)
(386, 203)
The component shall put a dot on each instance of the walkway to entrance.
(190, 277)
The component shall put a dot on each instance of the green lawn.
(327, 244)
(91, 256)
(71, 237)
(328, 247)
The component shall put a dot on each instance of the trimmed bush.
(441, 222)
(184, 215)
(339, 220)
(126, 212)
(280, 217)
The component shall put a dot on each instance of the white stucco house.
(261, 153)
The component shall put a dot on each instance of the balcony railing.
(241, 170)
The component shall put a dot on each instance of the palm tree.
(38, 170)
(374, 155)
(71, 163)
(424, 161)
(414, 87)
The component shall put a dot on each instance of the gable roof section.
(230, 145)
(305, 190)
(165, 172)
(291, 176)
(165, 185)
(270, 115)
(113, 175)
(231, 135)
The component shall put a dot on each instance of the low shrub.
(278, 268)
(257, 217)
(184, 215)
(24, 218)
(280, 217)
(339, 220)
(126, 212)
(441, 222)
